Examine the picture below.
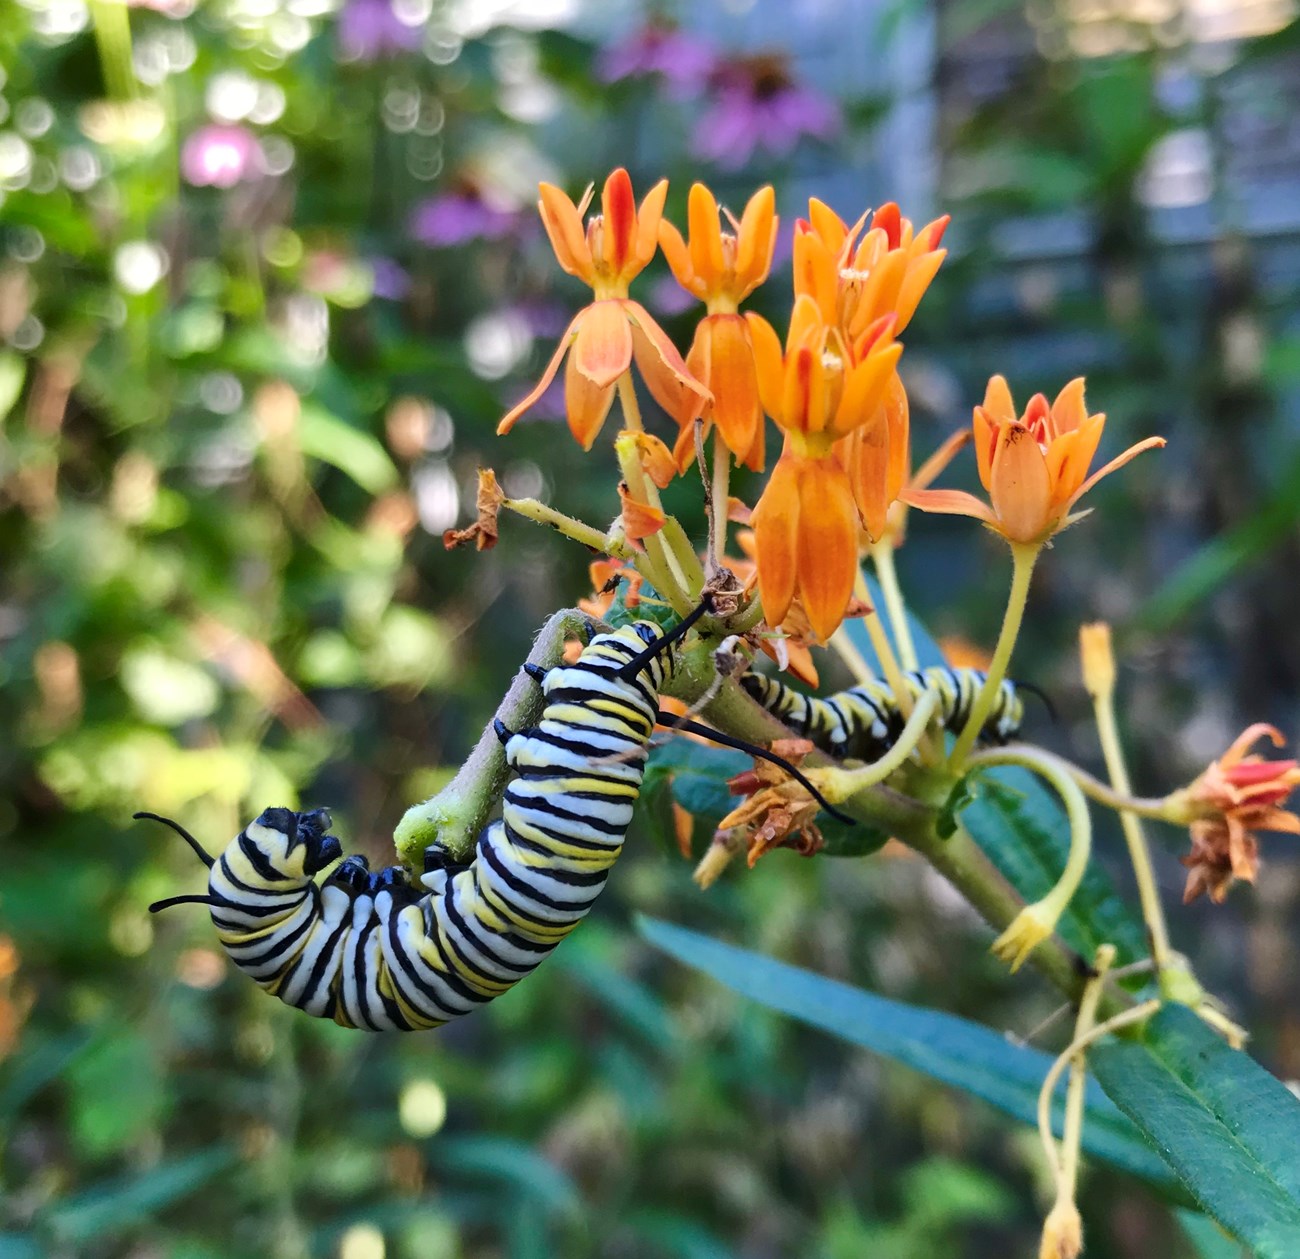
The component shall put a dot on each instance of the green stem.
(1023, 556)
(1138, 850)
(840, 784)
(882, 555)
(112, 27)
(570, 527)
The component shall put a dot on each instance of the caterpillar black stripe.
(864, 721)
(372, 950)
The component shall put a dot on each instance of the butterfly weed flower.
(1034, 466)
(1239, 794)
(607, 335)
(722, 269)
(806, 522)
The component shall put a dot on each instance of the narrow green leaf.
(332, 440)
(1228, 1129)
(113, 1205)
(942, 1046)
(1020, 824)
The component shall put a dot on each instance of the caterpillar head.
(294, 842)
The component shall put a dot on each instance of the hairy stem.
(882, 555)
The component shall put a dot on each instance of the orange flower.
(722, 269)
(1034, 468)
(878, 457)
(855, 282)
(806, 523)
(1236, 796)
(607, 335)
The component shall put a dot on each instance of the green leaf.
(944, 1047)
(1228, 1129)
(1210, 1241)
(1020, 824)
(332, 440)
(699, 775)
(113, 1205)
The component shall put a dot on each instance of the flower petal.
(705, 236)
(563, 226)
(647, 226)
(1069, 411)
(1150, 443)
(1019, 488)
(918, 278)
(1070, 455)
(602, 350)
(997, 399)
(768, 363)
(827, 224)
(728, 358)
(827, 556)
(814, 272)
(585, 403)
(618, 220)
(507, 421)
(755, 241)
(640, 520)
(678, 257)
(776, 528)
(949, 503)
(662, 368)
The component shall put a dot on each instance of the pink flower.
(220, 156)
(370, 29)
(682, 62)
(759, 105)
(461, 215)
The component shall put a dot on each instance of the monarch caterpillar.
(864, 721)
(373, 950)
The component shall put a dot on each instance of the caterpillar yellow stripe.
(864, 721)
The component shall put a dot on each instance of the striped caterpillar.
(373, 950)
(864, 721)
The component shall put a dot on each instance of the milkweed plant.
(787, 573)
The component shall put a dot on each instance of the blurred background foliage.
(269, 274)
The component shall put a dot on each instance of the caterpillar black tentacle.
(864, 721)
(371, 949)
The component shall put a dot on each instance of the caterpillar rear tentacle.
(864, 721)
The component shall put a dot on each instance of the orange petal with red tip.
(888, 220)
(705, 235)
(801, 370)
(1151, 443)
(997, 399)
(507, 421)
(827, 555)
(1019, 486)
(663, 369)
(950, 503)
(563, 226)
(932, 233)
(776, 532)
(602, 350)
(619, 225)
(768, 363)
(647, 228)
(586, 404)
(678, 257)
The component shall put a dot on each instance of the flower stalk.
(882, 557)
(1024, 555)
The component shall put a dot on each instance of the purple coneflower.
(681, 61)
(759, 105)
(461, 214)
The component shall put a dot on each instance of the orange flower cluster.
(1236, 796)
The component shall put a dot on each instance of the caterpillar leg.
(535, 671)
